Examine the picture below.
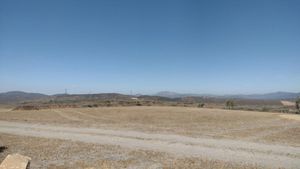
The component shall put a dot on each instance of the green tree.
(229, 104)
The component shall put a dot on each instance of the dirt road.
(272, 156)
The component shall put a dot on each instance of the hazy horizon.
(155, 93)
(219, 47)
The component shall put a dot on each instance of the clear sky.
(91, 46)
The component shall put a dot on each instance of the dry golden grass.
(291, 116)
(195, 122)
(60, 154)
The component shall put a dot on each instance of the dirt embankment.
(39, 107)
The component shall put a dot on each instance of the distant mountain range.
(20, 96)
(267, 96)
(180, 95)
(273, 96)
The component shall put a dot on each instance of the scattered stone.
(15, 161)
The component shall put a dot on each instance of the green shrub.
(229, 104)
(297, 104)
(201, 105)
(265, 109)
(108, 103)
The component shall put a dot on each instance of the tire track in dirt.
(91, 116)
(269, 132)
(267, 155)
(64, 115)
(263, 129)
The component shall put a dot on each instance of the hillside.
(19, 96)
(266, 96)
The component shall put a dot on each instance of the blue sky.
(218, 47)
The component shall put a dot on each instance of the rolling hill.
(267, 96)
(19, 96)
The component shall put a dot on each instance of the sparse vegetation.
(265, 109)
(108, 103)
(201, 105)
(106, 100)
(90, 105)
(298, 105)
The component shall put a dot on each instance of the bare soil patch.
(176, 135)
(287, 103)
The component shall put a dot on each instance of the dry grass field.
(151, 137)
(287, 103)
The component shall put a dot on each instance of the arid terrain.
(133, 84)
(151, 137)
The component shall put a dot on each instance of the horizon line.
(134, 94)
